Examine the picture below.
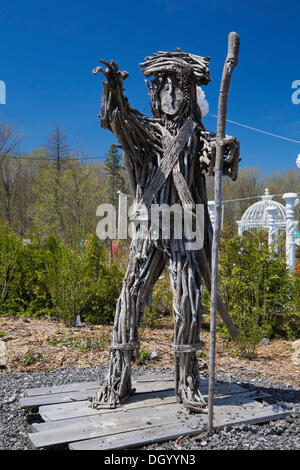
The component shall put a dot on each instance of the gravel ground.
(283, 434)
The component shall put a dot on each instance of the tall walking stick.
(230, 62)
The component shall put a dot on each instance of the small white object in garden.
(153, 355)
(296, 354)
(264, 342)
(78, 321)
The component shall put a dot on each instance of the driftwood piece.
(166, 156)
(230, 62)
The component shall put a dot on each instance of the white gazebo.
(273, 216)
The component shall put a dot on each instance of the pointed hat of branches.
(177, 62)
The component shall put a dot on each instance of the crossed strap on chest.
(172, 146)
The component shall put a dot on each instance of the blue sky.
(48, 51)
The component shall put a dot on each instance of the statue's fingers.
(114, 65)
(108, 65)
(97, 70)
(124, 75)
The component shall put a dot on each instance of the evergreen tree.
(113, 168)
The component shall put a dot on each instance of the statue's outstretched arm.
(116, 114)
(231, 154)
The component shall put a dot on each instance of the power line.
(252, 197)
(47, 159)
(258, 130)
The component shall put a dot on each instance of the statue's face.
(171, 97)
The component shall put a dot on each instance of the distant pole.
(230, 62)
(291, 200)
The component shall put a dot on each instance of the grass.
(2, 334)
(29, 359)
(88, 346)
(143, 356)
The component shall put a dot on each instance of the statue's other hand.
(111, 72)
(231, 156)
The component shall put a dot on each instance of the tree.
(113, 168)
(9, 139)
(10, 168)
(58, 151)
(57, 146)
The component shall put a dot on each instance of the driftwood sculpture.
(166, 157)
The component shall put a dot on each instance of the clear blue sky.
(48, 51)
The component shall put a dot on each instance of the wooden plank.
(78, 409)
(222, 401)
(36, 401)
(82, 408)
(81, 386)
(73, 387)
(67, 431)
(228, 410)
(166, 433)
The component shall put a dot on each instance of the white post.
(271, 227)
(211, 210)
(290, 201)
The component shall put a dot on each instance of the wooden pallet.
(150, 415)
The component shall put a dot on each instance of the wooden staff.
(230, 62)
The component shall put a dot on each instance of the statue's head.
(176, 76)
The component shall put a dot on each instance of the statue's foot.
(106, 397)
(192, 399)
(111, 394)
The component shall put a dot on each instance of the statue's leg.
(143, 270)
(187, 310)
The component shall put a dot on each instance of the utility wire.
(252, 197)
(259, 130)
(48, 159)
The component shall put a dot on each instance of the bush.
(65, 282)
(162, 298)
(100, 296)
(258, 289)
(10, 248)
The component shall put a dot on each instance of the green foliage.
(10, 247)
(259, 291)
(48, 277)
(102, 343)
(2, 334)
(113, 169)
(162, 299)
(65, 282)
(29, 359)
(143, 356)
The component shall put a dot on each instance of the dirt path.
(43, 344)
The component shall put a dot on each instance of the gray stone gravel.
(15, 423)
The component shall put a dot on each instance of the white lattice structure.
(273, 216)
(256, 216)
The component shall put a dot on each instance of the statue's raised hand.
(111, 72)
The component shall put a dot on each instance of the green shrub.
(65, 282)
(29, 359)
(10, 248)
(258, 290)
(143, 356)
(162, 298)
(101, 295)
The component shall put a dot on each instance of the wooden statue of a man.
(166, 156)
